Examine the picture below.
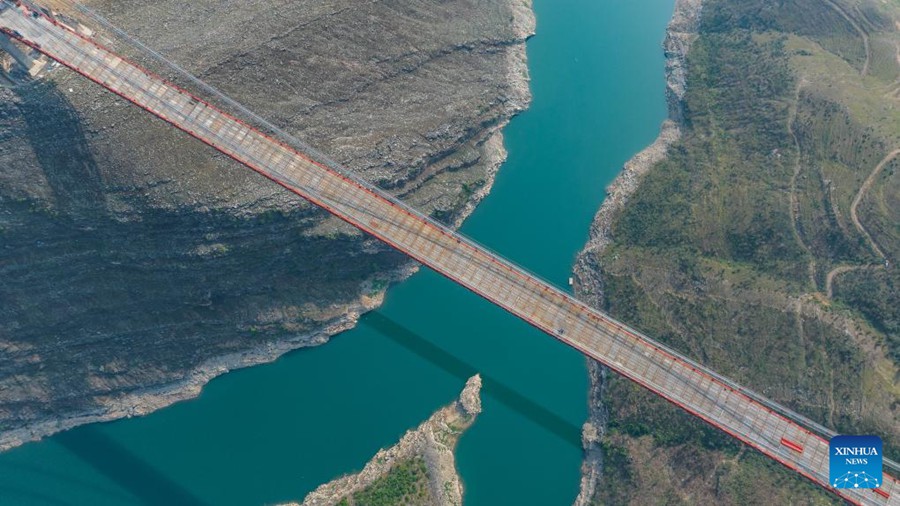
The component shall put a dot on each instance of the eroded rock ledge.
(433, 441)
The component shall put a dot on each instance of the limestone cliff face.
(136, 263)
(680, 33)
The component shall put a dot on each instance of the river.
(274, 432)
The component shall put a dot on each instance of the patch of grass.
(738, 154)
(876, 294)
(884, 61)
(813, 19)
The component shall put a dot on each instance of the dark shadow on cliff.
(116, 462)
(508, 396)
(54, 130)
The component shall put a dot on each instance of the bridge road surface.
(686, 384)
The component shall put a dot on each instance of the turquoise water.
(274, 432)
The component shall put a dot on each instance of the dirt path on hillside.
(841, 269)
(862, 33)
(837, 271)
(862, 193)
(794, 201)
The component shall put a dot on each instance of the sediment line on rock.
(680, 33)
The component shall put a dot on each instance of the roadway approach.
(720, 402)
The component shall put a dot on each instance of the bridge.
(772, 430)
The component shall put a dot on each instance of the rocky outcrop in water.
(433, 441)
(136, 263)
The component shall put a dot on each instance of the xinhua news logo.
(855, 461)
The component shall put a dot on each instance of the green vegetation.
(405, 484)
(618, 474)
(709, 258)
(877, 294)
(738, 118)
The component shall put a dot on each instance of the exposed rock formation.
(433, 441)
(136, 263)
(682, 30)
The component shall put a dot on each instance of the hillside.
(764, 245)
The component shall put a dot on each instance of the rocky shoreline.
(434, 440)
(680, 33)
(144, 402)
(141, 401)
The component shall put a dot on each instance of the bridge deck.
(595, 334)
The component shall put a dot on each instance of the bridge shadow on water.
(143, 481)
(149, 486)
(500, 391)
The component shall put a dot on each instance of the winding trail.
(837, 271)
(841, 269)
(862, 33)
(794, 201)
(870, 180)
(862, 193)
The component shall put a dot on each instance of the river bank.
(588, 284)
(713, 254)
(597, 72)
(114, 397)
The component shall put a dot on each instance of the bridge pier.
(29, 59)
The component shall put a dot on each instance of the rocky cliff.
(136, 263)
(423, 458)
